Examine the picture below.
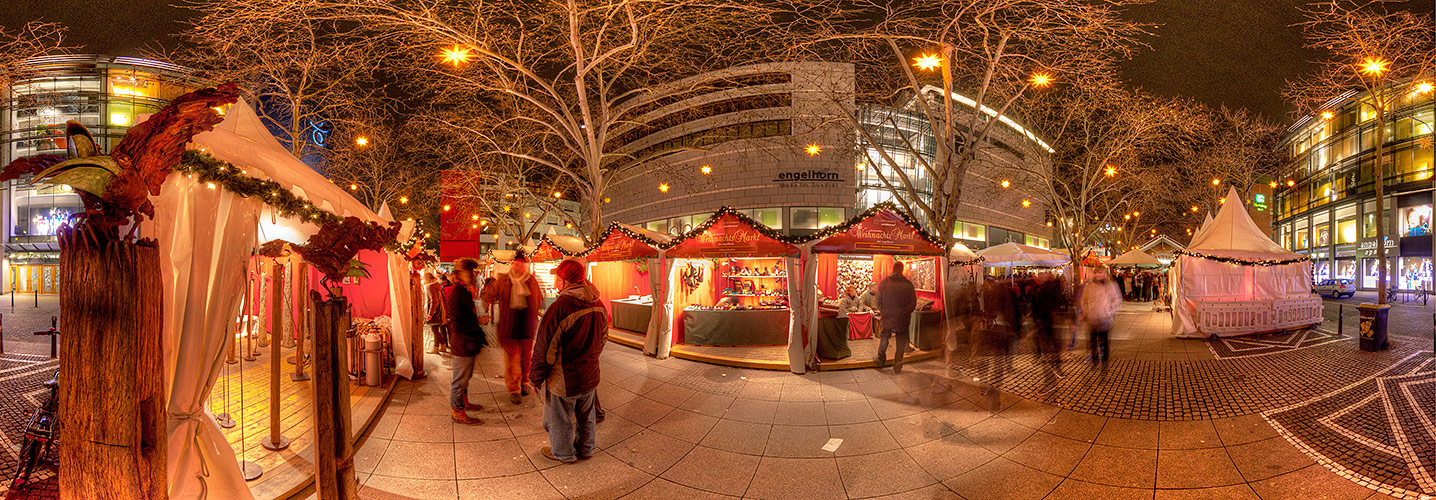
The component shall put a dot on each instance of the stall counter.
(736, 327)
(631, 314)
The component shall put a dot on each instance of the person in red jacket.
(517, 297)
(565, 364)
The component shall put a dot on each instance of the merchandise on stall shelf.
(857, 273)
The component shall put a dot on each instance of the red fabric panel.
(860, 326)
(827, 275)
(617, 280)
(368, 297)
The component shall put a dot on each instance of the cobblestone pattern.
(1192, 390)
(1377, 432)
(21, 391)
(1261, 345)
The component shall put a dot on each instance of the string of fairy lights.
(216, 173)
(1244, 262)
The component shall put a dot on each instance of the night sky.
(1234, 52)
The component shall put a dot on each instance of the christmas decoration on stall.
(333, 248)
(980, 259)
(1244, 262)
(691, 275)
(762, 229)
(625, 231)
(871, 211)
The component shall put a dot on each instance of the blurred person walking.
(436, 319)
(997, 323)
(897, 299)
(1099, 301)
(466, 339)
(517, 297)
(1046, 300)
(566, 366)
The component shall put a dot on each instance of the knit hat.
(570, 271)
(520, 256)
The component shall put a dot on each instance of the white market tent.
(206, 238)
(1018, 255)
(960, 254)
(1234, 280)
(1135, 258)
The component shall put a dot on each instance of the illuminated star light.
(927, 61)
(663, 187)
(457, 55)
(1374, 66)
(813, 149)
(1111, 171)
(1041, 80)
(1424, 88)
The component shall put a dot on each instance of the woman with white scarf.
(517, 295)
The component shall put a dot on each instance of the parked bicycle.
(40, 435)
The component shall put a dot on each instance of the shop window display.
(1415, 273)
(1346, 268)
(1369, 269)
(1416, 221)
(1320, 271)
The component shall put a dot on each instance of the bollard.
(52, 332)
(1341, 320)
(37, 297)
(275, 441)
(373, 345)
(2, 334)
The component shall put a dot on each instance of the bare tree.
(1099, 172)
(559, 71)
(304, 74)
(1377, 55)
(960, 67)
(33, 39)
(380, 163)
(511, 200)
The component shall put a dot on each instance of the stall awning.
(553, 247)
(1135, 258)
(731, 234)
(882, 229)
(1018, 255)
(625, 242)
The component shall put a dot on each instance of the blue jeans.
(559, 415)
(463, 368)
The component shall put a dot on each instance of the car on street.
(1335, 288)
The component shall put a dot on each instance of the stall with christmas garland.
(1234, 280)
(205, 180)
(859, 252)
(729, 285)
(543, 257)
(626, 265)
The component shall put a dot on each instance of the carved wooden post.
(275, 441)
(416, 323)
(333, 446)
(112, 403)
(302, 326)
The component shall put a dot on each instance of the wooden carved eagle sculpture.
(116, 188)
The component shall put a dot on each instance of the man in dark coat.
(1046, 299)
(896, 300)
(565, 364)
(466, 339)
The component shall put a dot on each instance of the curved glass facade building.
(1325, 199)
(106, 94)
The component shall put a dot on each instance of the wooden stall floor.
(242, 390)
(771, 357)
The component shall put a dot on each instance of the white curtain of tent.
(659, 339)
(798, 298)
(206, 236)
(401, 315)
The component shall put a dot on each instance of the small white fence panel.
(1257, 316)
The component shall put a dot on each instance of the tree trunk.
(333, 444)
(112, 402)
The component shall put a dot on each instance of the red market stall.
(544, 257)
(729, 285)
(626, 266)
(859, 252)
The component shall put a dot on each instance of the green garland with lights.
(1243, 262)
(762, 228)
(206, 168)
(642, 238)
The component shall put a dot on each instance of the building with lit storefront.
(1326, 203)
(770, 140)
(107, 95)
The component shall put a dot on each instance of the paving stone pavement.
(20, 322)
(678, 429)
(21, 391)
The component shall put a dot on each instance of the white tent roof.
(241, 139)
(1232, 233)
(960, 253)
(1162, 238)
(1206, 222)
(1016, 255)
(1135, 258)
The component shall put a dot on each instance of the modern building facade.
(1326, 204)
(106, 94)
(772, 140)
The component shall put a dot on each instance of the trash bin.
(373, 345)
(1372, 330)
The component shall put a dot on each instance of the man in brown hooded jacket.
(565, 364)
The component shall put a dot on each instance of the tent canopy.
(1012, 254)
(241, 139)
(1233, 234)
(961, 255)
(730, 233)
(624, 242)
(555, 247)
(1135, 258)
(882, 229)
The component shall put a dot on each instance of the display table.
(631, 315)
(833, 338)
(736, 327)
